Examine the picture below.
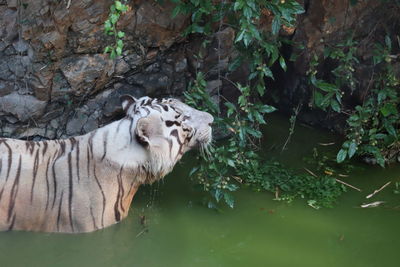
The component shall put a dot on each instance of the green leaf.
(352, 149)
(114, 18)
(107, 49)
(282, 63)
(326, 87)
(229, 200)
(118, 50)
(177, 11)
(335, 106)
(118, 5)
(121, 34)
(218, 194)
(113, 54)
(231, 163)
(353, 2)
(388, 42)
(388, 109)
(260, 89)
(341, 155)
(318, 97)
(276, 25)
(193, 171)
(390, 128)
(267, 109)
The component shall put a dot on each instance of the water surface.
(168, 226)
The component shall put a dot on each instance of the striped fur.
(87, 182)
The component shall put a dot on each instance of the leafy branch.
(110, 28)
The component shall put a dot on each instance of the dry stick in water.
(378, 190)
(337, 180)
(349, 185)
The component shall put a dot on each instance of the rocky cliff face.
(56, 82)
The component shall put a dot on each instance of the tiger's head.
(166, 129)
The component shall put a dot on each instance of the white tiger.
(87, 182)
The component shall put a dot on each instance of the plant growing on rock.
(110, 28)
(373, 126)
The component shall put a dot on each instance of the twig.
(238, 179)
(310, 172)
(141, 232)
(372, 205)
(349, 185)
(378, 190)
(338, 180)
(326, 144)
(292, 120)
(68, 4)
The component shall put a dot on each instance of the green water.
(179, 231)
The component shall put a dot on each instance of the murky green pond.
(168, 226)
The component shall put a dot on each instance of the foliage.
(227, 164)
(221, 164)
(287, 184)
(235, 161)
(329, 94)
(110, 28)
(373, 126)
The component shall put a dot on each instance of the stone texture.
(24, 107)
(88, 72)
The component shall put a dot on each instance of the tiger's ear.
(147, 130)
(127, 101)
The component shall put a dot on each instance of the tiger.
(86, 183)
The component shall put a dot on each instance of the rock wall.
(325, 24)
(56, 82)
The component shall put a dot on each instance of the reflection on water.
(168, 227)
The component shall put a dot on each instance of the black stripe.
(119, 124)
(73, 142)
(62, 145)
(47, 184)
(1, 192)
(88, 161)
(59, 211)
(44, 148)
(165, 107)
(105, 136)
(102, 193)
(175, 134)
(120, 193)
(93, 219)
(130, 130)
(12, 222)
(171, 123)
(9, 158)
(14, 190)
(71, 189)
(35, 169)
(30, 145)
(55, 178)
(77, 161)
(147, 110)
